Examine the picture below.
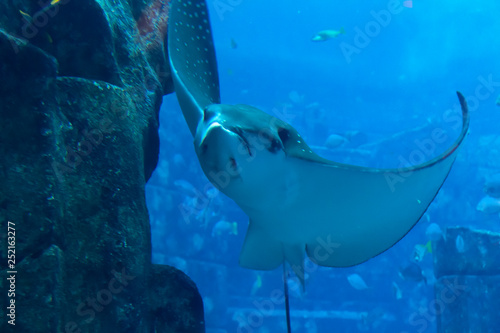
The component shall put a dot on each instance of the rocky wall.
(81, 84)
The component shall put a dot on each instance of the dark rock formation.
(467, 290)
(81, 84)
(173, 306)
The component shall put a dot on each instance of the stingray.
(298, 203)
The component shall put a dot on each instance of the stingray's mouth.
(245, 144)
(260, 140)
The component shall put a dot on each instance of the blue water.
(403, 75)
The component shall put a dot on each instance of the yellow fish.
(25, 14)
(224, 227)
(256, 285)
(420, 250)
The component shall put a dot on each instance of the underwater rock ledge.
(467, 287)
(81, 84)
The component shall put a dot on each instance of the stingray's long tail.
(287, 299)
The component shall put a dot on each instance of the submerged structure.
(80, 90)
(467, 293)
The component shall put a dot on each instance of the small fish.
(178, 263)
(26, 15)
(313, 105)
(482, 249)
(373, 320)
(412, 272)
(325, 35)
(295, 289)
(240, 317)
(256, 285)
(396, 290)
(492, 185)
(234, 45)
(53, 2)
(49, 38)
(311, 326)
(434, 232)
(295, 97)
(489, 205)
(420, 250)
(357, 282)
(186, 187)
(335, 141)
(460, 244)
(208, 305)
(211, 192)
(179, 161)
(224, 227)
(197, 242)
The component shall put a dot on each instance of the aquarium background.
(386, 93)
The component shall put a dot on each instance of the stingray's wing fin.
(260, 250)
(341, 215)
(357, 213)
(192, 59)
